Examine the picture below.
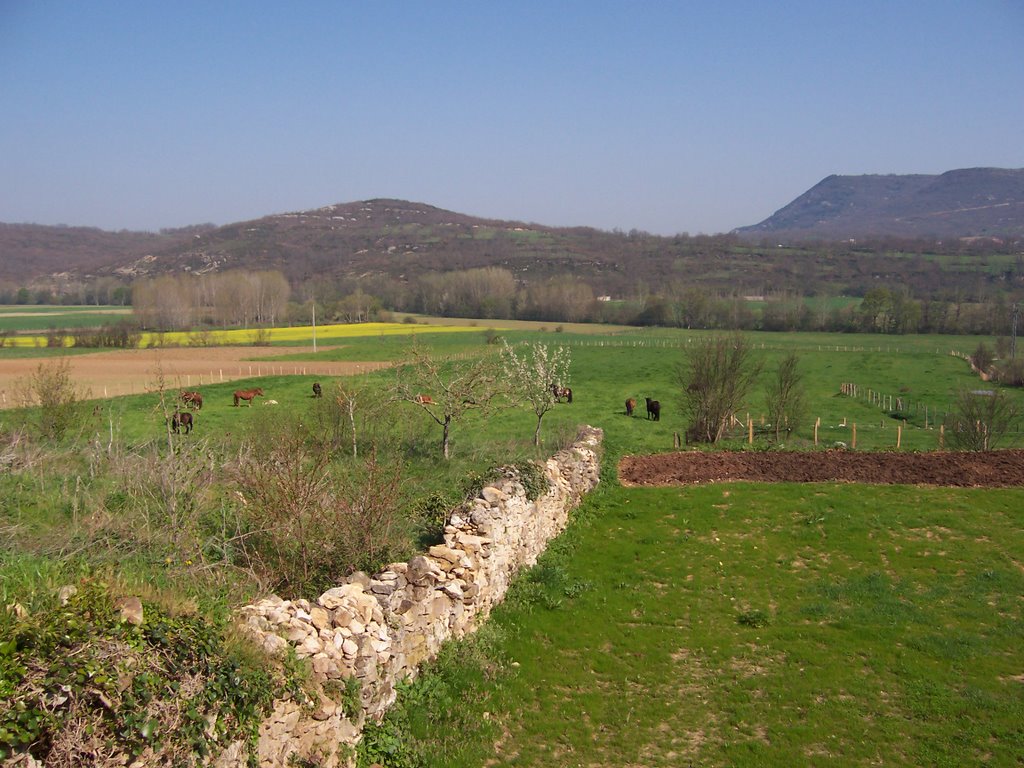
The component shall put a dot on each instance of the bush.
(980, 420)
(1010, 372)
(982, 358)
(311, 522)
(51, 389)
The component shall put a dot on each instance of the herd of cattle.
(182, 419)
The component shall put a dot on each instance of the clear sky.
(662, 116)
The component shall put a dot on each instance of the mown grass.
(744, 624)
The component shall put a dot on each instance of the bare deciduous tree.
(784, 399)
(715, 378)
(447, 389)
(981, 420)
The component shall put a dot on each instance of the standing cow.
(653, 409)
(181, 420)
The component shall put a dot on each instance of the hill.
(392, 246)
(393, 238)
(972, 202)
(31, 251)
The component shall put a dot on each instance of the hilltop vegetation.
(356, 259)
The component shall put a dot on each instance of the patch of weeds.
(530, 475)
(577, 588)
(753, 618)
(812, 518)
(172, 687)
(347, 694)
(431, 515)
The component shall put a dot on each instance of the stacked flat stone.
(379, 629)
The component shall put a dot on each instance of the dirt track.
(943, 468)
(129, 371)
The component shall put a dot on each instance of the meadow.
(729, 624)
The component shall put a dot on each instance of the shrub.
(310, 522)
(982, 358)
(1010, 372)
(980, 420)
(52, 390)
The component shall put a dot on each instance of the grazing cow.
(181, 420)
(630, 406)
(560, 392)
(317, 391)
(423, 399)
(247, 395)
(653, 409)
(191, 399)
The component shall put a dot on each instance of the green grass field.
(721, 625)
(20, 317)
(745, 625)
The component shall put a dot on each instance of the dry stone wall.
(378, 629)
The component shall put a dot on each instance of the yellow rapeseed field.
(294, 334)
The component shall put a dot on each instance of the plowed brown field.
(131, 371)
(944, 468)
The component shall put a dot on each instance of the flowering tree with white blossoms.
(534, 375)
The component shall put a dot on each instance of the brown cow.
(630, 406)
(191, 399)
(247, 395)
(181, 420)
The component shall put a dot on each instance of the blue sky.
(661, 116)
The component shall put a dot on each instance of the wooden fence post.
(853, 439)
(899, 434)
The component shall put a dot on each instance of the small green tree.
(785, 398)
(715, 377)
(534, 375)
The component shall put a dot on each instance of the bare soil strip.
(132, 371)
(940, 468)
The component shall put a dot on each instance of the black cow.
(653, 409)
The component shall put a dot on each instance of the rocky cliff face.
(377, 630)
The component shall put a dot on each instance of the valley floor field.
(131, 371)
(961, 469)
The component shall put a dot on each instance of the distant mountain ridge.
(970, 202)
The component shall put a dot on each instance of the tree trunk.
(444, 440)
(536, 432)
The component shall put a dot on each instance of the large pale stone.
(336, 596)
(492, 495)
(131, 610)
(320, 617)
